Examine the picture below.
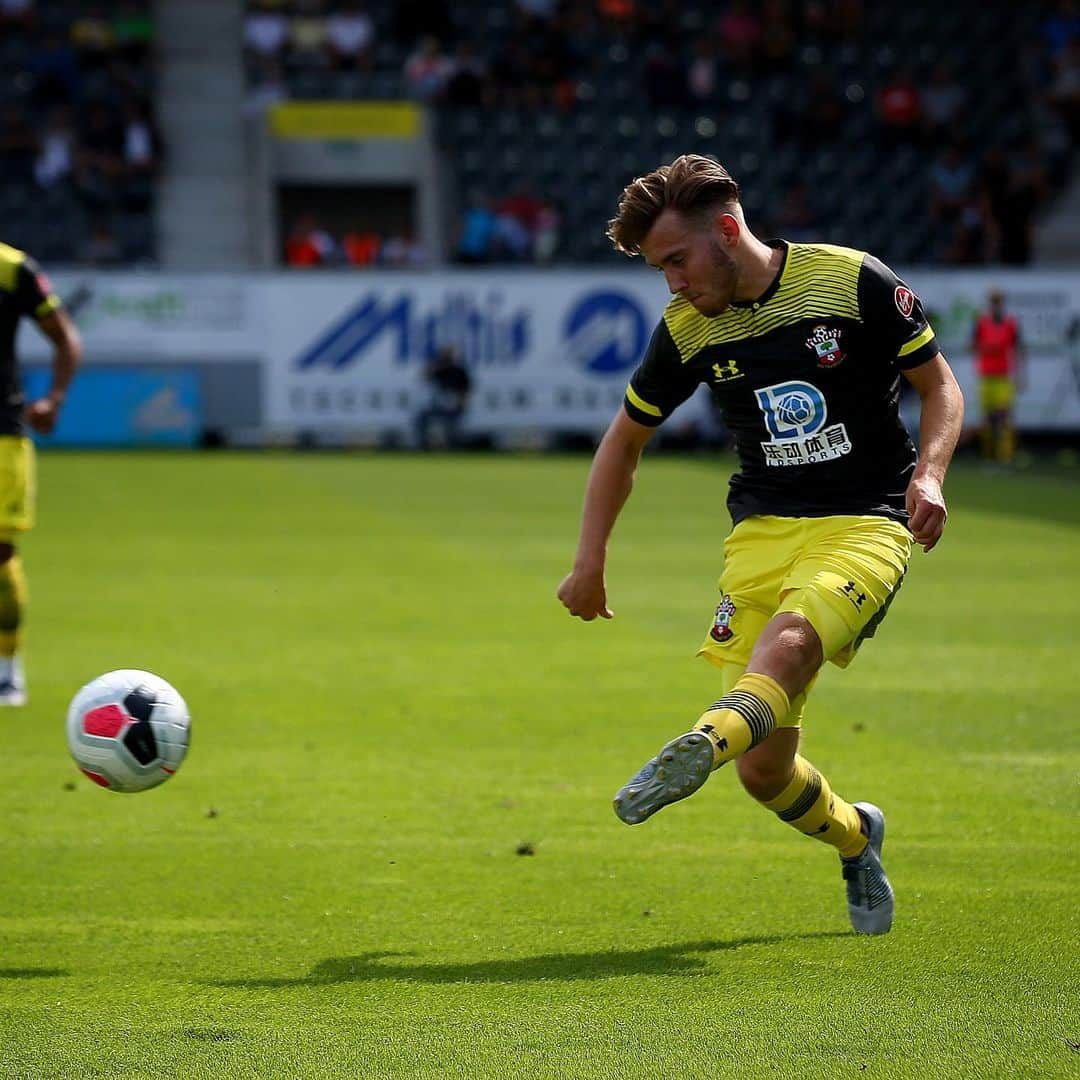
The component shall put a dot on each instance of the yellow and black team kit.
(25, 291)
(807, 378)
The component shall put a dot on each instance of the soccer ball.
(128, 730)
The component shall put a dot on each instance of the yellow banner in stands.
(345, 120)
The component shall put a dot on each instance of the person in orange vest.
(997, 346)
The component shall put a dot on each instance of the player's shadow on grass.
(33, 973)
(676, 959)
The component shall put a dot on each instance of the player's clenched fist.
(583, 594)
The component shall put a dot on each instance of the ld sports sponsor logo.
(795, 414)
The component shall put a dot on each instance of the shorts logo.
(854, 594)
(795, 415)
(826, 344)
(721, 627)
(905, 300)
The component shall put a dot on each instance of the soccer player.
(24, 290)
(995, 340)
(804, 346)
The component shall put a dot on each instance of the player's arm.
(59, 328)
(940, 421)
(583, 591)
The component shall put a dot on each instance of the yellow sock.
(809, 805)
(12, 604)
(744, 716)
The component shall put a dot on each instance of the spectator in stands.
(477, 233)
(93, 38)
(99, 158)
(450, 386)
(309, 244)
(56, 158)
(266, 32)
(308, 40)
(739, 32)
(350, 34)
(543, 10)
(1023, 194)
(546, 232)
(16, 14)
(663, 77)
(142, 141)
(101, 248)
(798, 220)
(511, 240)
(1064, 91)
(778, 38)
(426, 70)
(1062, 27)
(55, 70)
(813, 114)
(414, 19)
(998, 349)
(404, 251)
(703, 74)
(18, 144)
(899, 107)
(943, 99)
(268, 86)
(143, 150)
(133, 31)
(952, 180)
(467, 77)
(361, 248)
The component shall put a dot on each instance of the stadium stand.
(79, 149)
(868, 109)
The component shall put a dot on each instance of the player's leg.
(756, 556)
(843, 585)
(16, 507)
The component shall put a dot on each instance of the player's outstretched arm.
(58, 327)
(939, 428)
(583, 591)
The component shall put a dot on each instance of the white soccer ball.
(128, 730)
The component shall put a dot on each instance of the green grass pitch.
(389, 703)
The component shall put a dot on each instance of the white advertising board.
(549, 350)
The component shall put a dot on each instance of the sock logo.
(721, 628)
(719, 742)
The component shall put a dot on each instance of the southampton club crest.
(721, 627)
(825, 342)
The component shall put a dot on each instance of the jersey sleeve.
(893, 315)
(661, 382)
(34, 294)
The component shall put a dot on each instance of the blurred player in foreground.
(24, 290)
(803, 346)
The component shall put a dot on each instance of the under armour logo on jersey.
(726, 372)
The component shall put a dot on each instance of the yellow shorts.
(840, 573)
(996, 393)
(16, 486)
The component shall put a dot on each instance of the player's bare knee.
(763, 778)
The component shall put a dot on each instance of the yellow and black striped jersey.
(24, 290)
(807, 378)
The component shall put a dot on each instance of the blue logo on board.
(483, 333)
(605, 332)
